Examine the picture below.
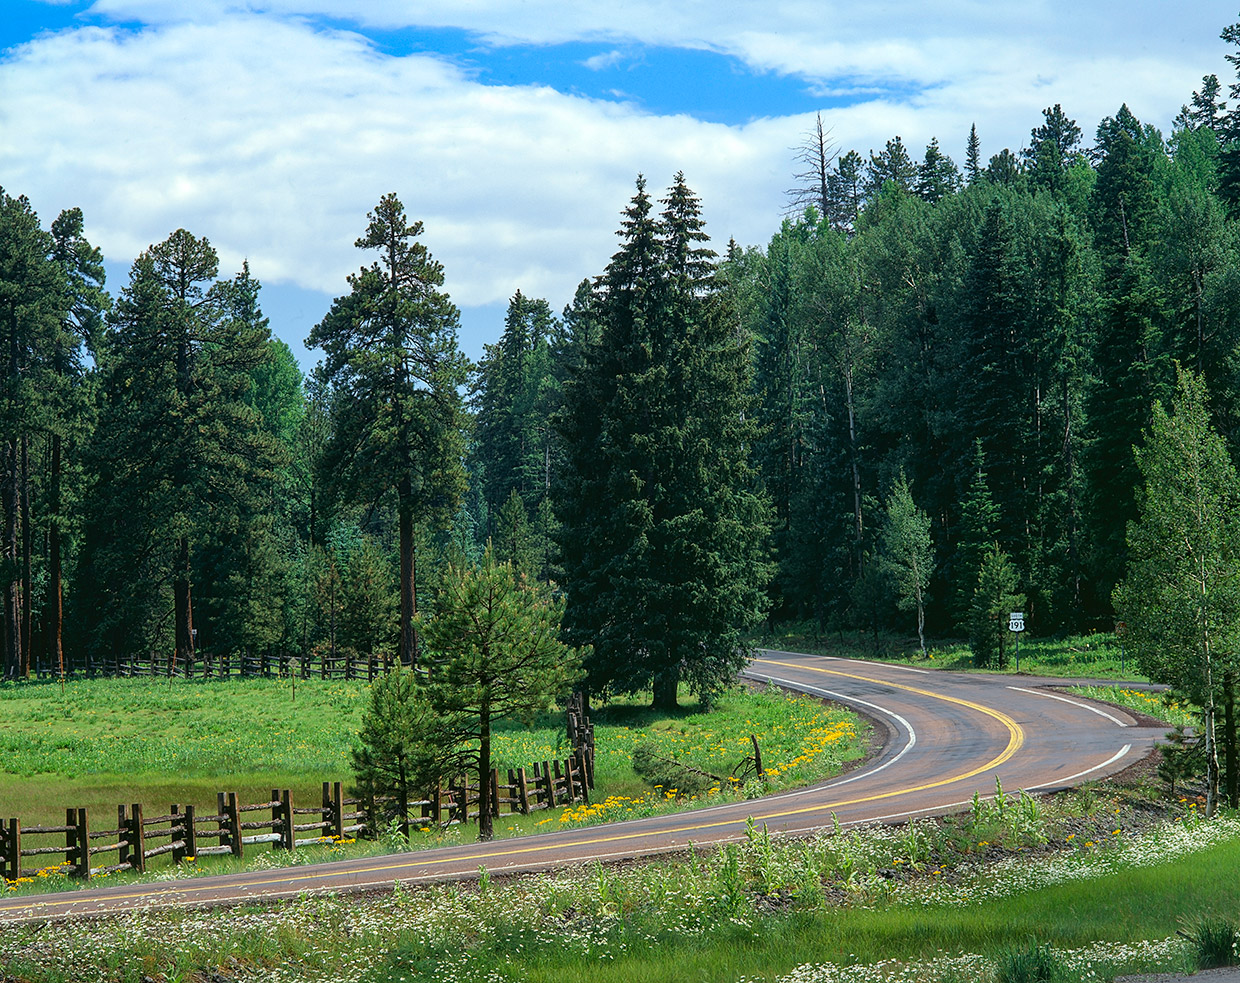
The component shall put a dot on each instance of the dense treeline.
(915, 408)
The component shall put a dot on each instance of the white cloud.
(274, 138)
(606, 60)
(274, 141)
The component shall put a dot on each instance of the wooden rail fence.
(184, 834)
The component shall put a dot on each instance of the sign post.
(1016, 624)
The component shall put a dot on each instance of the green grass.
(109, 741)
(815, 911)
(1095, 655)
(1161, 706)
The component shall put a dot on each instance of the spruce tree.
(979, 525)
(973, 157)
(662, 534)
(994, 598)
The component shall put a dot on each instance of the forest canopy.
(928, 368)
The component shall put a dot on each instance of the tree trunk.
(12, 588)
(486, 829)
(1229, 739)
(55, 592)
(408, 575)
(665, 685)
(402, 793)
(27, 545)
(183, 601)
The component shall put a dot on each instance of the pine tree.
(495, 652)
(662, 535)
(1052, 148)
(891, 164)
(994, 598)
(973, 157)
(181, 462)
(979, 525)
(845, 190)
(396, 374)
(937, 176)
(33, 306)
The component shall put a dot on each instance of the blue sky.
(515, 129)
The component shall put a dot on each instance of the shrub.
(1030, 963)
(658, 769)
(1214, 941)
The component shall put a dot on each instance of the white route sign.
(1016, 621)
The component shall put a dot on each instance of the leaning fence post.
(232, 816)
(523, 791)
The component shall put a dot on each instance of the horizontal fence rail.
(184, 834)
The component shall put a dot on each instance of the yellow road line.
(1016, 738)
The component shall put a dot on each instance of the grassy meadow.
(109, 741)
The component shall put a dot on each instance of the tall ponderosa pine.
(396, 375)
(663, 536)
(33, 305)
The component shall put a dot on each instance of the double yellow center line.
(1016, 738)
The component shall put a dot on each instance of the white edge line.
(1064, 699)
(1081, 774)
(854, 701)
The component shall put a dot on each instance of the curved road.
(949, 735)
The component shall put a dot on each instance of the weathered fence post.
(126, 839)
(12, 858)
(548, 784)
(77, 843)
(189, 834)
(338, 810)
(580, 769)
(494, 794)
(230, 821)
(286, 807)
(136, 835)
(523, 791)
(178, 852)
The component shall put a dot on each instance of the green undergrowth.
(1165, 707)
(1097, 655)
(930, 901)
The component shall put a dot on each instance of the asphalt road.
(949, 735)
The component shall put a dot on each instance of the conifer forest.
(916, 405)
